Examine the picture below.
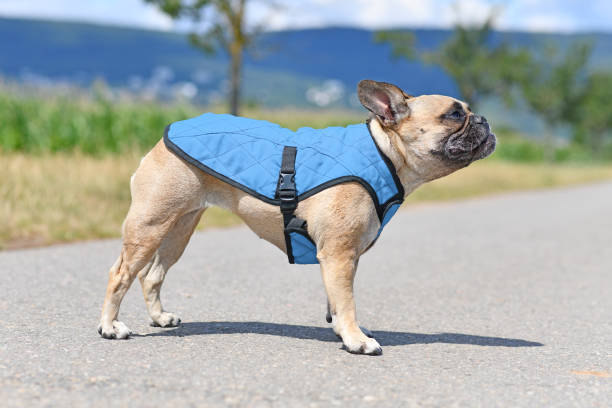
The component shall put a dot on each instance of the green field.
(67, 163)
(34, 123)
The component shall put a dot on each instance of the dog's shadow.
(385, 338)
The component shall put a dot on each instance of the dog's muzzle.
(474, 143)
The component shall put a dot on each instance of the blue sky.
(532, 15)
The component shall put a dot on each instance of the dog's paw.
(369, 346)
(166, 319)
(117, 330)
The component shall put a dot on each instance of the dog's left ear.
(386, 101)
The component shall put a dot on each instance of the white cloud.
(548, 23)
(120, 12)
(553, 15)
(471, 11)
(374, 14)
(556, 15)
(539, 15)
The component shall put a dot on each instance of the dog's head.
(440, 134)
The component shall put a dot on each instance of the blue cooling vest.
(247, 154)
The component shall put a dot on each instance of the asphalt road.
(503, 301)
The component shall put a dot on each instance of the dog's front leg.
(338, 271)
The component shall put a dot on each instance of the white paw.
(365, 331)
(166, 319)
(117, 330)
(369, 346)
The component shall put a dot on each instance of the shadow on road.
(385, 338)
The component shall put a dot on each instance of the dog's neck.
(392, 146)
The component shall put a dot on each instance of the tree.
(402, 43)
(225, 29)
(593, 115)
(478, 66)
(555, 88)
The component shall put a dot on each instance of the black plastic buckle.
(286, 186)
(287, 192)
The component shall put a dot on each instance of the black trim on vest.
(381, 208)
(180, 153)
(399, 197)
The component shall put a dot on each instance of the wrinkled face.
(448, 129)
(440, 133)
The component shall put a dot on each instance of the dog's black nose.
(478, 120)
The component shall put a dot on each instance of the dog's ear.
(386, 101)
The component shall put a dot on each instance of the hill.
(298, 67)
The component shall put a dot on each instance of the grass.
(96, 126)
(39, 123)
(68, 197)
(53, 198)
(498, 176)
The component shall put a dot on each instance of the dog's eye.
(456, 115)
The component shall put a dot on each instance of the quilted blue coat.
(247, 154)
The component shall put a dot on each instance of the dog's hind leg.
(164, 189)
(141, 239)
(152, 277)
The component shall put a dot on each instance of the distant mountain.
(299, 67)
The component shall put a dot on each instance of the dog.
(422, 138)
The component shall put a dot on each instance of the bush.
(513, 147)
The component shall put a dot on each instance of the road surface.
(494, 302)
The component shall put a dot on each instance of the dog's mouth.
(486, 146)
(474, 143)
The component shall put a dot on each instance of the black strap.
(296, 224)
(286, 192)
(288, 161)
